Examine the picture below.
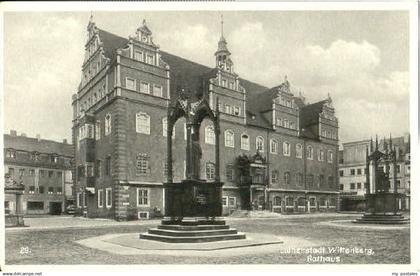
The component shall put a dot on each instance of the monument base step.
(192, 239)
(373, 218)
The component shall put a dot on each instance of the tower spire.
(221, 24)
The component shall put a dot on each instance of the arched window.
(244, 142)
(229, 138)
(299, 151)
(320, 155)
(310, 152)
(165, 128)
(259, 143)
(273, 146)
(289, 201)
(286, 148)
(142, 123)
(330, 156)
(108, 124)
(287, 178)
(209, 137)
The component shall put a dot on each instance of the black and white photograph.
(209, 134)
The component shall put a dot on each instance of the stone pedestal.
(15, 217)
(382, 208)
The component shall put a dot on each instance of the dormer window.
(224, 83)
(150, 59)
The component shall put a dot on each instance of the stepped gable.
(34, 145)
(309, 116)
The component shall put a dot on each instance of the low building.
(352, 171)
(44, 168)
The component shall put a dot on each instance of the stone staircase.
(193, 231)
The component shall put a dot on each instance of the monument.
(193, 207)
(13, 202)
(381, 202)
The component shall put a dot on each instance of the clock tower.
(222, 54)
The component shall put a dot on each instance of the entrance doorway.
(55, 208)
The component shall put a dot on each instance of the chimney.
(64, 141)
(13, 132)
(23, 134)
(38, 137)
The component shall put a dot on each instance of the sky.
(359, 58)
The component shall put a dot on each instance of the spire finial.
(221, 24)
(91, 16)
(376, 145)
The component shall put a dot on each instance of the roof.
(32, 144)
(191, 76)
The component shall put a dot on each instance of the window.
(286, 123)
(54, 159)
(98, 168)
(100, 198)
(292, 125)
(230, 173)
(227, 109)
(31, 172)
(259, 143)
(320, 155)
(143, 215)
(35, 205)
(31, 189)
(144, 87)
(143, 197)
(41, 173)
(398, 168)
(299, 151)
(245, 142)
(150, 59)
(138, 55)
(50, 190)
(232, 201)
(273, 146)
(352, 186)
(279, 122)
(130, 83)
(209, 137)
(21, 172)
(225, 201)
(359, 186)
(341, 187)
(286, 148)
(89, 170)
(299, 179)
(236, 111)
(341, 173)
(359, 171)
(59, 190)
(289, 201)
(157, 90)
(165, 128)
(231, 85)
(60, 175)
(277, 201)
(274, 176)
(321, 180)
(142, 163)
(108, 166)
(107, 124)
(108, 197)
(41, 189)
(331, 181)
(142, 123)
(50, 174)
(229, 138)
(310, 180)
(287, 178)
(98, 130)
(352, 172)
(210, 171)
(10, 154)
(224, 83)
(398, 183)
(310, 153)
(330, 156)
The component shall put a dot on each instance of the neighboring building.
(277, 152)
(352, 170)
(44, 168)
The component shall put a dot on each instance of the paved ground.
(53, 241)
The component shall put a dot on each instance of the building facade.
(276, 151)
(352, 171)
(44, 167)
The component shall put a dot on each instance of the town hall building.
(277, 152)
